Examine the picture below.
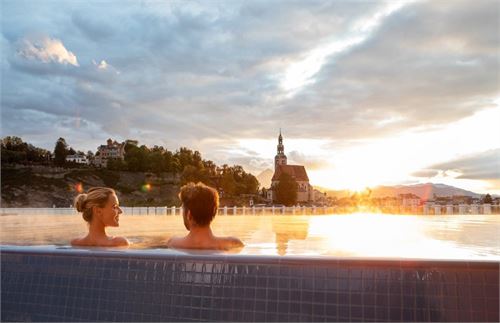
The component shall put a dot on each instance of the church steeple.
(280, 158)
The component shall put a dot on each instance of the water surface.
(354, 235)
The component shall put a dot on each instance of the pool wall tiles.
(107, 287)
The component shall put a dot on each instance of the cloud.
(47, 50)
(93, 27)
(483, 166)
(312, 163)
(102, 65)
(400, 73)
(176, 73)
(426, 173)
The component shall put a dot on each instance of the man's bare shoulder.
(176, 242)
(231, 242)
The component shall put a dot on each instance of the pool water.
(474, 237)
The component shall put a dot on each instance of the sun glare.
(392, 160)
(381, 235)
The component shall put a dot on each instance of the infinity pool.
(460, 237)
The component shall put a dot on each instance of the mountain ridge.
(425, 191)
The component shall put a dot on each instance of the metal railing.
(428, 209)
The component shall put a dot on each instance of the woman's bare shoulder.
(79, 242)
(120, 242)
(111, 242)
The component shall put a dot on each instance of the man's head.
(200, 203)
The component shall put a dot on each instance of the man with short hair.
(200, 203)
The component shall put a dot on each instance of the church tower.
(280, 158)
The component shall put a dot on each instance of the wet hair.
(201, 200)
(96, 196)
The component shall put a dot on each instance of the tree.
(251, 184)
(90, 157)
(155, 161)
(15, 150)
(60, 152)
(286, 190)
(136, 158)
(228, 184)
(193, 174)
(487, 199)
(115, 164)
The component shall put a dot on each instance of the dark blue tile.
(493, 316)
(272, 294)
(331, 310)
(344, 313)
(283, 307)
(284, 295)
(395, 314)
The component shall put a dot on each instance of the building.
(320, 198)
(409, 200)
(305, 192)
(77, 158)
(461, 199)
(112, 150)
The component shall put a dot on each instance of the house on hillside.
(112, 150)
(77, 158)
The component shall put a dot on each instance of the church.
(305, 192)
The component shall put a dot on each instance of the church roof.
(298, 172)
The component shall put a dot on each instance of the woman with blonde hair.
(100, 208)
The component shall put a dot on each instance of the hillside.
(42, 186)
(47, 186)
(423, 191)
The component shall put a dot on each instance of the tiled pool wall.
(43, 284)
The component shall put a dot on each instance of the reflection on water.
(353, 235)
(295, 228)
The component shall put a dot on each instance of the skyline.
(366, 93)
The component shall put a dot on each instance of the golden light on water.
(363, 235)
(380, 235)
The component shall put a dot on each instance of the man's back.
(205, 242)
(200, 204)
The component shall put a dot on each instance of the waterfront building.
(320, 197)
(409, 200)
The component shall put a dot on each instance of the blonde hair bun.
(80, 202)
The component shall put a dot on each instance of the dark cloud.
(180, 72)
(426, 173)
(483, 166)
(424, 66)
(93, 27)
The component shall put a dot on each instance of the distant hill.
(44, 186)
(423, 191)
(41, 186)
(265, 177)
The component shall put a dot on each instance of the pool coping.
(211, 256)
